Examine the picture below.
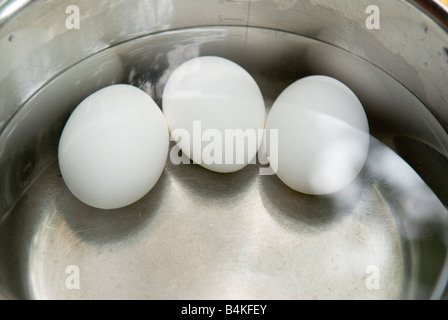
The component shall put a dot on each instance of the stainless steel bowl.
(203, 235)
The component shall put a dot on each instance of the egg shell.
(114, 147)
(323, 135)
(208, 99)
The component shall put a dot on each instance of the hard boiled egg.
(215, 112)
(114, 147)
(321, 135)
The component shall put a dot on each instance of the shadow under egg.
(299, 212)
(99, 226)
(208, 185)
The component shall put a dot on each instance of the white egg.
(323, 135)
(216, 113)
(114, 147)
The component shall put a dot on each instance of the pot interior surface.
(204, 235)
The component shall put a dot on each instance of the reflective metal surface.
(203, 235)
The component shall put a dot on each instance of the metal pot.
(202, 235)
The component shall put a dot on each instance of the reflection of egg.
(323, 135)
(114, 146)
(215, 112)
